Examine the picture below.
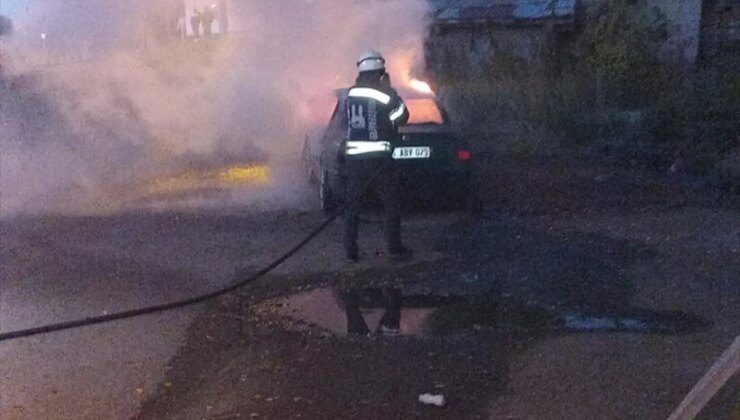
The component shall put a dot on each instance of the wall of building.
(466, 51)
(447, 53)
(694, 28)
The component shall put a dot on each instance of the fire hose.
(133, 313)
(176, 304)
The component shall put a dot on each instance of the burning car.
(435, 162)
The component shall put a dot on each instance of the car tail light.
(463, 155)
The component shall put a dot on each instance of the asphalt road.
(614, 290)
(602, 258)
(60, 268)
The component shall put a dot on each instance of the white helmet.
(371, 60)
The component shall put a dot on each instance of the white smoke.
(110, 98)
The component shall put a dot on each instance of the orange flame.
(401, 66)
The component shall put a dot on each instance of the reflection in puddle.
(586, 323)
(195, 181)
(328, 309)
(243, 184)
(636, 321)
(388, 312)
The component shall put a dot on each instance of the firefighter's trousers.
(379, 176)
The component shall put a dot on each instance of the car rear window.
(424, 111)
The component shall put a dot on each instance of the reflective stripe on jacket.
(355, 147)
(373, 115)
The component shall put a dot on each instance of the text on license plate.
(412, 152)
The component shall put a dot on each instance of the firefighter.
(374, 112)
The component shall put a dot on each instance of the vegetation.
(605, 83)
(697, 116)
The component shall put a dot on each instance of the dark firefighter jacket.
(374, 112)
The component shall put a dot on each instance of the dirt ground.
(584, 290)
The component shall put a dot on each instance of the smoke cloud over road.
(109, 99)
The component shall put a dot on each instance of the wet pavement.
(497, 310)
(169, 243)
(428, 315)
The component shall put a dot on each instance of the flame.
(421, 86)
(402, 65)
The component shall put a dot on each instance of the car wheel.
(325, 195)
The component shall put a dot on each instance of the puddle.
(326, 309)
(636, 321)
(362, 311)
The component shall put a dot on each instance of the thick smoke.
(110, 99)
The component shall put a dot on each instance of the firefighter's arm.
(399, 113)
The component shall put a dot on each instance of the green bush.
(616, 45)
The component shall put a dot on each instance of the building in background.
(226, 14)
(467, 34)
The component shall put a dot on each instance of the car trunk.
(443, 143)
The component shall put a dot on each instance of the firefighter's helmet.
(371, 60)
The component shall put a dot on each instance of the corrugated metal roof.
(503, 11)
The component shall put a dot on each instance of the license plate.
(412, 152)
